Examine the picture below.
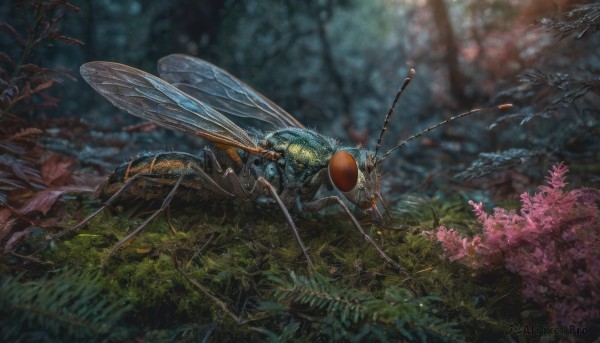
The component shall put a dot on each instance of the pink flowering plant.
(552, 243)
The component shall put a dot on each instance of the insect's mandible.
(291, 164)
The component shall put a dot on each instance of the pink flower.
(552, 244)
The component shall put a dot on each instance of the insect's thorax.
(301, 149)
(304, 157)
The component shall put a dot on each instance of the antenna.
(411, 74)
(417, 135)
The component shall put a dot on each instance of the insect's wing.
(148, 97)
(221, 90)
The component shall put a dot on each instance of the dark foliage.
(23, 84)
(558, 107)
(583, 19)
(32, 178)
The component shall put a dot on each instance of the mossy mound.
(255, 284)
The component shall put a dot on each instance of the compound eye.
(343, 171)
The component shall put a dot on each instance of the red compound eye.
(343, 171)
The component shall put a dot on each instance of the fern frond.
(353, 314)
(490, 162)
(581, 19)
(182, 334)
(69, 306)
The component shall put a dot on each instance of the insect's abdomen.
(158, 174)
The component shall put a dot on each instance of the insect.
(290, 164)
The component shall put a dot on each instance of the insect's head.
(356, 171)
(353, 172)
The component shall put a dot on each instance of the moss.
(235, 256)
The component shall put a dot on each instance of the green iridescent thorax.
(304, 152)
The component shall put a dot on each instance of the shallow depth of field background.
(337, 64)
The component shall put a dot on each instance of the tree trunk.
(456, 78)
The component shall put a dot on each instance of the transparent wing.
(148, 97)
(221, 90)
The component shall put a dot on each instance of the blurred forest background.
(336, 65)
(333, 64)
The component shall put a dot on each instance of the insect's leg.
(266, 184)
(320, 204)
(376, 215)
(206, 292)
(210, 182)
(84, 222)
(169, 224)
(236, 184)
(385, 206)
(208, 153)
(241, 192)
(229, 175)
(199, 251)
(162, 208)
